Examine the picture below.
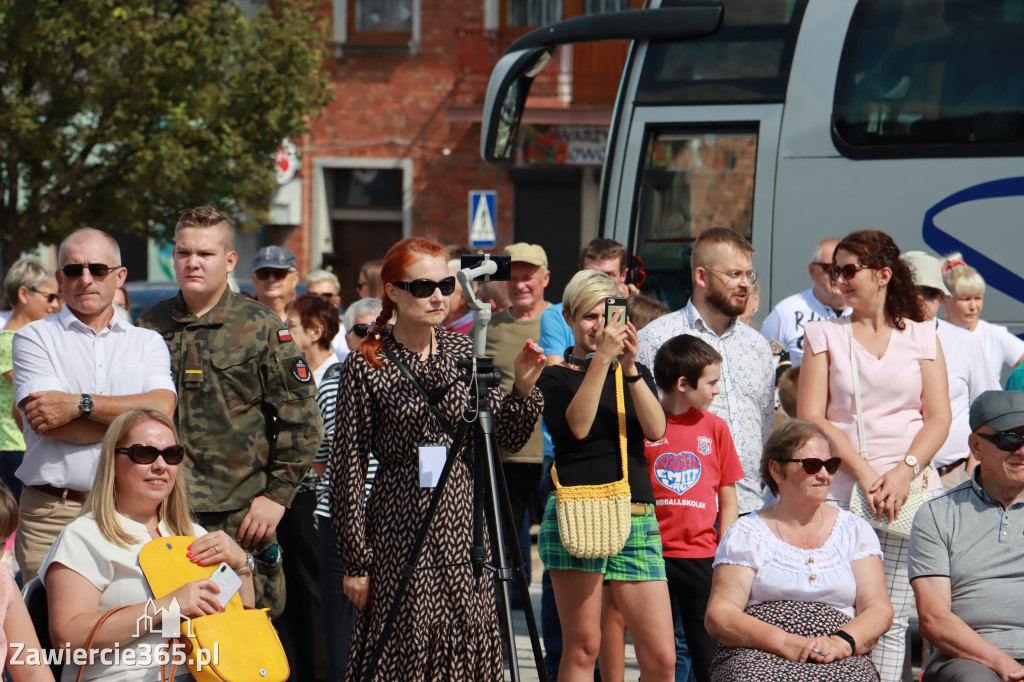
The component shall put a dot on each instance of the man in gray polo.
(967, 554)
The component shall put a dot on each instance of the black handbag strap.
(422, 391)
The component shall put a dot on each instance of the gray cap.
(1002, 410)
(927, 270)
(274, 257)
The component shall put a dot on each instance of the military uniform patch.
(300, 370)
(284, 335)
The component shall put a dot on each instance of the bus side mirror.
(508, 88)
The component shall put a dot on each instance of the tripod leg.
(500, 513)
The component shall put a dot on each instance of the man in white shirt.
(74, 373)
(965, 364)
(822, 301)
(722, 277)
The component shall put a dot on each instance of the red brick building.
(397, 151)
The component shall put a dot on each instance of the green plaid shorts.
(640, 559)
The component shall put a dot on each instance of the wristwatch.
(250, 565)
(86, 405)
(911, 462)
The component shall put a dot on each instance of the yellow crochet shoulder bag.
(594, 520)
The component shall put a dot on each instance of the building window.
(375, 22)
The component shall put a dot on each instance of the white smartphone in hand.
(229, 582)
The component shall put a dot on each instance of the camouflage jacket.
(247, 411)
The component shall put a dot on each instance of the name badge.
(432, 459)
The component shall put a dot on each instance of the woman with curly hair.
(904, 397)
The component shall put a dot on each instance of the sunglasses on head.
(1007, 441)
(50, 298)
(359, 329)
(848, 271)
(424, 288)
(813, 466)
(147, 454)
(74, 270)
(276, 273)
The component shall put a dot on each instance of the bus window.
(691, 179)
(929, 78)
(746, 60)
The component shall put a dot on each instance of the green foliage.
(119, 113)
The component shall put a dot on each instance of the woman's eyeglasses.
(50, 298)
(424, 288)
(848, 271)
(813, 466)
(75, 270)
(359, 329)
(1007, 441)
(147, 454)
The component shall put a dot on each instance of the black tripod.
(490, 500)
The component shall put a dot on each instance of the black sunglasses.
(1007, 441)
(813, 466)
(848, 271)
(424, 288)
(359, 329)
(50, 298)
(277, 273)
(74, 270)
(147, 454)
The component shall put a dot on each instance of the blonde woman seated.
(94, 565)
(798, 591)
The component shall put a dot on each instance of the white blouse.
(116, 573)
(785, 572)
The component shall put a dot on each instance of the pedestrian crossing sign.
(482, 204)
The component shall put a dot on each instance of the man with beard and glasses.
(722, 277)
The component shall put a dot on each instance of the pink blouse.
(890, 393)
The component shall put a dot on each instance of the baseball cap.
(274, 257)
(522, 252)
(1002, 410)
(927, 270)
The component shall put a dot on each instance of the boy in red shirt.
(694, 470)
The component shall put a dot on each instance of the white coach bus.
(793, 120)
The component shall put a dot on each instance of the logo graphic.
(704, 445)
(300, 370)
(677, 472)
(170, 624)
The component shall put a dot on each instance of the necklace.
(821, 524)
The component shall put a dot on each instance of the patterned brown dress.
(446, 628)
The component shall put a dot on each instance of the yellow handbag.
(594, 520)
(235, 645)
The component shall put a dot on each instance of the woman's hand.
(611, 339)
(630, 347)
(197, 598)
(215, 547)
(357, 588)
(890, 491)
(824, 650)
(528, 365)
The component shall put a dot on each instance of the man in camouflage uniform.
(247, 411)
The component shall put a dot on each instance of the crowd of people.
(772, 473)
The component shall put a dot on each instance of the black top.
(595, 459)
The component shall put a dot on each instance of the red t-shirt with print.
(687, 467)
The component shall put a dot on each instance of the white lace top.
(783, 571)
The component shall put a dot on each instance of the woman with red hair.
(446, 626)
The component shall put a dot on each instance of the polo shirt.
(968, 537)
(62, 353)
